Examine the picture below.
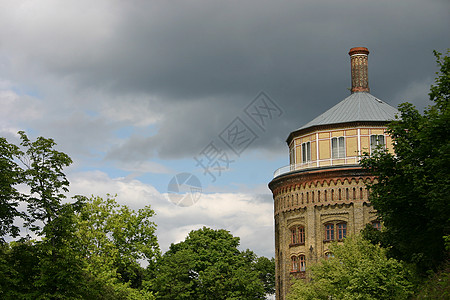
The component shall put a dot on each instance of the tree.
(115, 239)
(357, 270)
(208, 265)
(40, 167)
(412, 193)
(91, 250)
(43, 174)
(88, 249)
(266, 270)
(10, 176)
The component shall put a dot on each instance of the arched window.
(302, 263)
(329, 232)
(298, 235)
(294, 264)
(335, 231)
(298, 263)
(341, 230)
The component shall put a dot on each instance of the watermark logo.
(184, 189)
(221, 152)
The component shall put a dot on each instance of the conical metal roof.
(359, 106)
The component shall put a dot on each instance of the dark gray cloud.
(202, 62)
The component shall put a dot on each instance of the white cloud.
(242, 214)
(16, 109)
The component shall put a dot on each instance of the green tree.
(10, 177)
(43, 174)
(48, 268)
(115, 239)
(412, 194)
(18, 268)
(88, 249)
(266, 270)
(208, 265)
(40, 167)
(60, 268)
(82, 254)
(357, 270)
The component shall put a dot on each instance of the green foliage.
(115, 239)
(89, 249)
(266, 270)
(412, 195)
(18, 267)
(10, 176)
(358, 270)
(208, 265)
(437, 286)
(81, 255)
(40, 167)
(43, 174)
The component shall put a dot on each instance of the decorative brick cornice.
(293, 181)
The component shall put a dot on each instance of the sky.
(157, 100)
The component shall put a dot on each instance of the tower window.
(342, 230)
(338, 147)
(376, 141)
(294, 263)
(335, 231)
(306, 152)
(298, 235)
(302, 261)
(329, 232)
(298, 263)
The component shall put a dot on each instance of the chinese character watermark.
(214, 160)
(238, 136)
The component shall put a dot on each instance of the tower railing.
(349, 160)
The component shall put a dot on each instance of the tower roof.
(358, 107)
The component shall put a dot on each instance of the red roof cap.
(358, 50)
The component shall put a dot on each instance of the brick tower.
(321, 195)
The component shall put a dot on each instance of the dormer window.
(338, 147)
(306, 152)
